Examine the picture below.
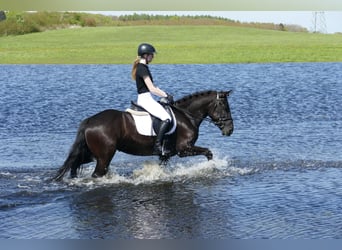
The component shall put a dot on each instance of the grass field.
(175, 45)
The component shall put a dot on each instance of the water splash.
(150, 172)
(189, 170)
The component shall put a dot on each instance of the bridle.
(220, 121)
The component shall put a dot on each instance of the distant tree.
(2, 15)
(282, 27)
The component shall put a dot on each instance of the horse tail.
(78, 155)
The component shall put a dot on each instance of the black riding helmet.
(146, 48)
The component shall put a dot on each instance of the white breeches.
(146, 101)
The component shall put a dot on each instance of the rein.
(191, 115)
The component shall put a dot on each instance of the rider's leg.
(158, 145)
(147, 102)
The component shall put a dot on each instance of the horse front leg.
(194, 150)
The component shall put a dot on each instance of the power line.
(319, 23)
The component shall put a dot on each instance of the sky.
(330, 21)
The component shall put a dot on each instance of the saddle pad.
(143, 123)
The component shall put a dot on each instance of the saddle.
(140, 114)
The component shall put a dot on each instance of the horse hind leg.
(102, 165)
(101, 169)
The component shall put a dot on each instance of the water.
(277, 176)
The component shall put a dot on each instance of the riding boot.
(158, 146)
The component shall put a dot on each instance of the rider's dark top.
(142, 71)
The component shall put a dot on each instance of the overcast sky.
(331, 20)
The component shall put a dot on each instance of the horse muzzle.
(227, 133)
(228, 130)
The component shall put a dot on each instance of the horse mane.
(190, 97)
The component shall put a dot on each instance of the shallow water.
(277, 176)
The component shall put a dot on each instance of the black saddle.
(156, 122)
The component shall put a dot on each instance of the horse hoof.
(96, 175)
(209, 156)
(73, 176)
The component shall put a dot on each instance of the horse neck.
(198, 107)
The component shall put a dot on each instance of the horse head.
(219, 112)
(209, 103)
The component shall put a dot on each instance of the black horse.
(99, 136)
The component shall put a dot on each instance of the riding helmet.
(146, 48)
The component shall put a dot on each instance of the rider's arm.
(153, 89)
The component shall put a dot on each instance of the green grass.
(175, 44)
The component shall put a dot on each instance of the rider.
(145, 87)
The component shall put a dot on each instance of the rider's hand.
(170, 99)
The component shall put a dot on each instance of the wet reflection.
(145, 211)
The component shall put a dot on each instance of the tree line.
(19, 23)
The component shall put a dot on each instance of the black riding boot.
(158, 147)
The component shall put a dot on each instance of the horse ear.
(223, 94)
(228, 93)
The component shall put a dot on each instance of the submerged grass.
(175, 45)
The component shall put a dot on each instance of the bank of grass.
(175, 45)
